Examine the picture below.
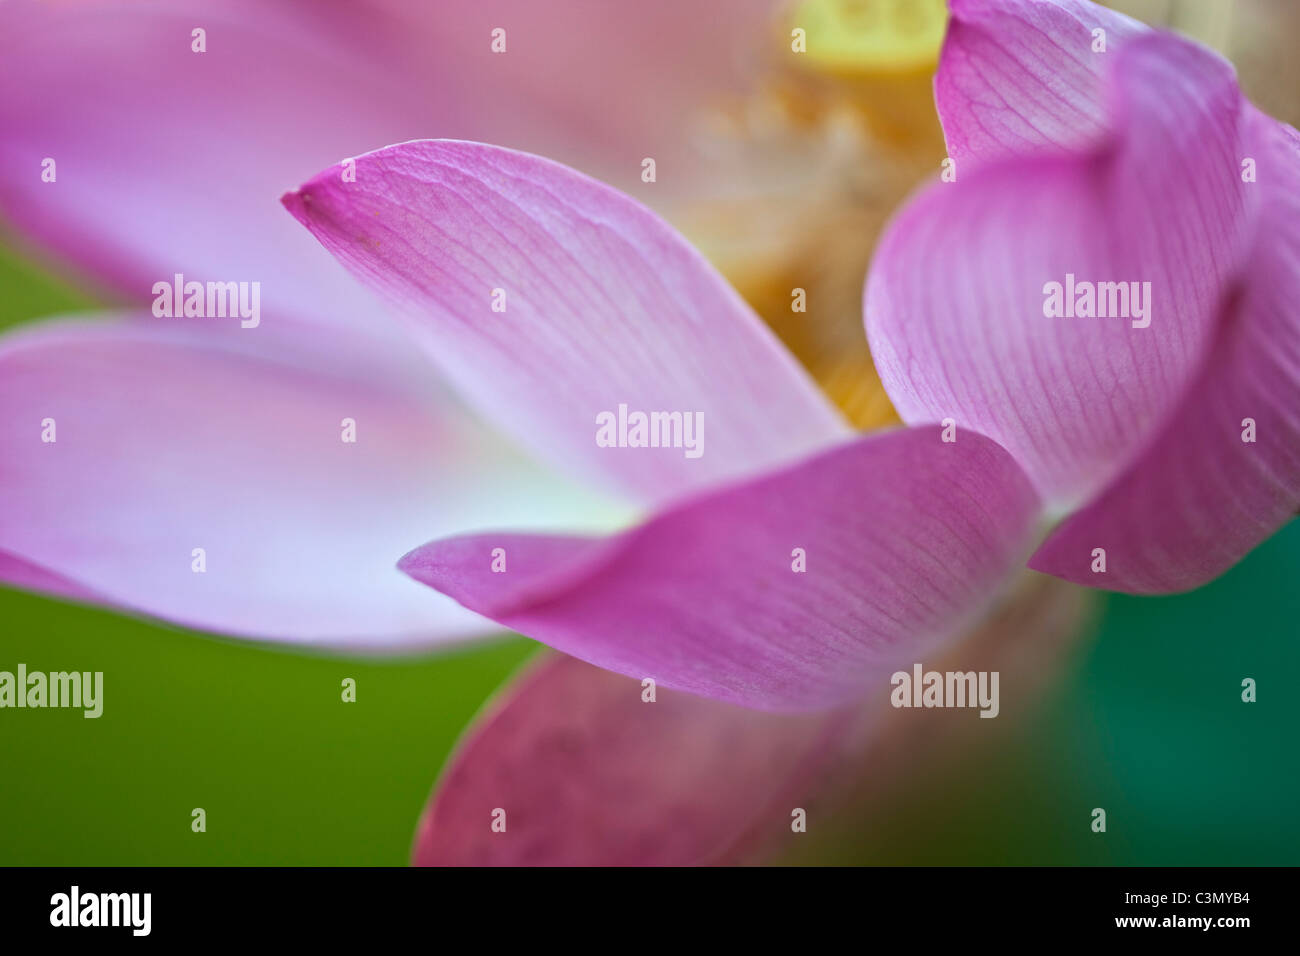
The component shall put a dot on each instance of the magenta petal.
(587, 772)
(125, 446)
(583, 771)
(957, 294)
(1201, 497)
(1020, 75)
(903, 537)
(598, 304)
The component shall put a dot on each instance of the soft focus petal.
(1201, 496)
(599, 304)
(165, 442)
(956, 298)
(903, 537)
(592, 84)
(15, 572)
(170, 160)
(1020, 75)
(587, 773)
(590, 773)
(891, 770)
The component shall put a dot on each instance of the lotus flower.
(1062, 119)
(606, 306)
(789, 567)
(167, 439)
(177, 435)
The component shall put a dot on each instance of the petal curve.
(550, 299)
(1200, 498)
(1020, 75)
(165, 441)
(957, 297)
(902, 538)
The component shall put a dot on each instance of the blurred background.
(1145, 720)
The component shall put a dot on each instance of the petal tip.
(296, 201)
(419, 564)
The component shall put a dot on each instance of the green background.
(1150, 725)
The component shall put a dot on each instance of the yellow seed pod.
(871, 36)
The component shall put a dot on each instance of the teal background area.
(1149, 724)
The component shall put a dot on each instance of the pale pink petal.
(169, 160)
(598, 86)
(583, 771)
(598, 304)
(17, 573)
(786, 592)
(166, 441)
(1022, 75)
(1201, 497)
(957, 294)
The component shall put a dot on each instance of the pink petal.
(540, 95)
(955, 302)
(167, 441)
(588, 773)
(1200, 497)
(605, 306)
(903, 538)
(169, 160)
(15, 572)
(1019, 75)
